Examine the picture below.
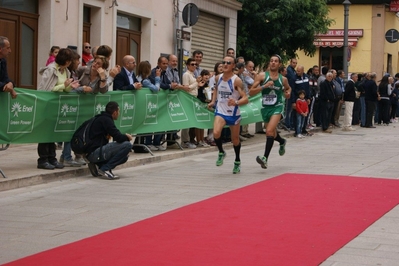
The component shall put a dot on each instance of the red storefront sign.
(394, 6)
(340, 33)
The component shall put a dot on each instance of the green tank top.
(273, 96)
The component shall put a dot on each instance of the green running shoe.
(281, 151)
(236, 168)
(220, 159)
(262, 161)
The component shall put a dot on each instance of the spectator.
(162, 65)
(6, 84)
(202, 85)
(53, 53)
(302, 110)
(56, 78)
(104, 154)
(126, 79)
(93, 77)
(349, 99)
(314, 101)
(247, 82)
(143, 76)
(371, 98)
(197, 55)
(66, 155)
(291, 73)
(338, 100)
(394, 102)
(327, 98)
(384, 103)
(322, 77)
(86, 55)
(231, 52)
(189, 80)
(301, 83)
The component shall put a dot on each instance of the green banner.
(41, 116)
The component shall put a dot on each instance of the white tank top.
(225, 91)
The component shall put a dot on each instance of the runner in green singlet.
(273, 87)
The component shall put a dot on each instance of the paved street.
(39, 217)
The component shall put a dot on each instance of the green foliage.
(267, 27)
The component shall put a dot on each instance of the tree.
(267, 27)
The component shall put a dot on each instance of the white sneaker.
(300, 136)
(203, 144)
(189, 145)
(160, 148)
(152, 147)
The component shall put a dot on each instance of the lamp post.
(346, 4)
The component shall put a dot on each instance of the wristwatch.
(236, 102)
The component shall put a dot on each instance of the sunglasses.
(226, 62)
(88, 47)
(193, 64)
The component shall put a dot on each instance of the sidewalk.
(19, 162)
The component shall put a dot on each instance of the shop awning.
(335, 41)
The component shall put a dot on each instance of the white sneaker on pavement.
(160, 148)
(189, 145)
(152, 147)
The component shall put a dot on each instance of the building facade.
(144, 29)
(368, 49)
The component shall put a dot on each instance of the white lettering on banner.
(127, 118)
(340, 33)
(127, 107)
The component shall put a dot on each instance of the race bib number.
(269, 99)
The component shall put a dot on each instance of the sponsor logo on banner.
(100, 103)
(175, 109)
(152, 109)
(127, 112)
(68, 110)
(200, 111)
(22, 113)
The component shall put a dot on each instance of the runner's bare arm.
(287, 88)
(255, 88)
(238, 86)
(214, 93)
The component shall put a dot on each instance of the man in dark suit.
(162, 64)
(6, 84)
(126, 79)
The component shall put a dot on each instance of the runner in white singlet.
(228, 96)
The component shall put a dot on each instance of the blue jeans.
(66, 152)
(148, 140)
(300, 121)
(112, 155)
(362, 111)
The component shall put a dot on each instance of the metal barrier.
(167, 133)
(3, 148)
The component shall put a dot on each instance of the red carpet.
(291, 219)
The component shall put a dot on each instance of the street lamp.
(346, 4)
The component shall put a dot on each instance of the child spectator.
(53, 53)
(302, 112)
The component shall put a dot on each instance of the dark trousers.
(384, 106)
(356, 113)
(316, 112)
(370, 109)
(46, 152)
(394, 107)
(110, 155)
(326, 111)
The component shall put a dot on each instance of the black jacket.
(165, 82)
(370, 90)
(350, 93)
(103, 128)
(122, 83)
(4, 79)
(327, 92)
